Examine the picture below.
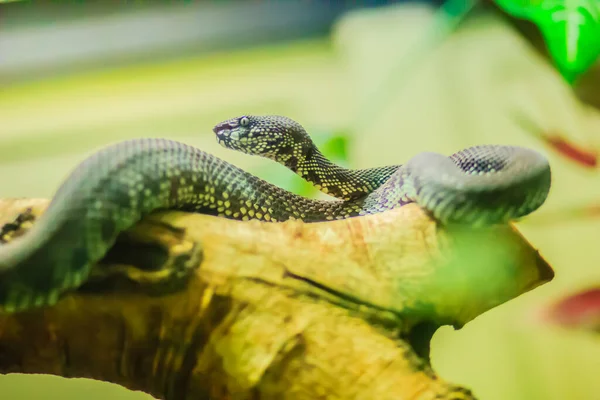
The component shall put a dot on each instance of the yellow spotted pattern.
(116, 187)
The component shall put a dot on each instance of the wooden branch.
(273, 311)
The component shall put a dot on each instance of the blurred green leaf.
(334, 145)
(571, 29)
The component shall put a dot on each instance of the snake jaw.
(226, 133)
(229, 139)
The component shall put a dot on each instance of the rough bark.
(290, 310)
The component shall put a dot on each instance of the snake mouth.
(226, 135)
(229, 139)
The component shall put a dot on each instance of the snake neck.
(307, 161)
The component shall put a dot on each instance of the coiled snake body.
(116, 187)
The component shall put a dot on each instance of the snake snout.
(221, 128)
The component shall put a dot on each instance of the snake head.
(271, 136)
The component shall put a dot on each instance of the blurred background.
(374, 82)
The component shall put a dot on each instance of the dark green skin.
(477, 186)
(284, 140)
(115, 188)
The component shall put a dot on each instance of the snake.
(116, 187)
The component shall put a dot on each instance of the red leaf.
(580, 156)
(583, 157)
(581, 310)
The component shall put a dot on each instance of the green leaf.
(334, 146)
(571, 29)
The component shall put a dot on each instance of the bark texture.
(332, 310)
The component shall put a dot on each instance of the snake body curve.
(116, 187)
(479, 185)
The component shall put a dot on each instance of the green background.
(458, 94)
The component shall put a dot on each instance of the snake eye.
(244, 121)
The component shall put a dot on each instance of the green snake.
(116, 187)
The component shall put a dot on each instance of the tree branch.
(290, 310)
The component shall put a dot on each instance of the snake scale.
(117, 186)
